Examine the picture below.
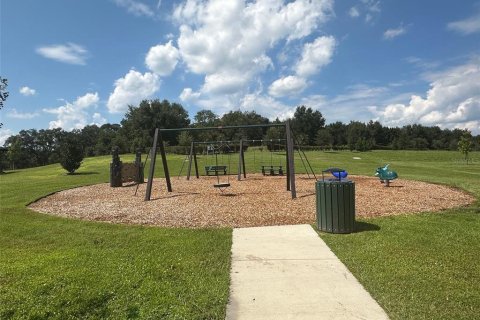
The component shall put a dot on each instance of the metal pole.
(195, 160)
(190, 161)
(164, 162)
(240, 161)
(226, 127)
(153, 151)
(291, 163)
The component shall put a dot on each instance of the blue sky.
(73, 63)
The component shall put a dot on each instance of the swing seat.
(221, 185)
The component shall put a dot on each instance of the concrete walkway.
(288, 272)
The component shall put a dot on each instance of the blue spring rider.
(338, 173)
(386, 175)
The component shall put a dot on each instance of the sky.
(75, 63)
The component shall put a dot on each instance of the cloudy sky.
(73, 63)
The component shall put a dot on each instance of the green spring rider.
(386, 175)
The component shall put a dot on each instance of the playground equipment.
(338, 173)
(386, 175)
(157, 141)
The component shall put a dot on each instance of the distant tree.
(237, 118)
(324, 138)
(338, 130)
(3, 93)
(140, 122)
(206, 118)
(70, 152)
(307, 122)
(465, 144)
(185, 139)
(358, 137)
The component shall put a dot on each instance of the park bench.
(272, 170)
(215, 169)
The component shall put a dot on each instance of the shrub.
(70, 153)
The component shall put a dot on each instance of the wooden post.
(190, 157)
(287, 164)
(291, 164)
(153, 158)
(164, 162)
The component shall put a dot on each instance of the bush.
(70, 153)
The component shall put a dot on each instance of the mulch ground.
(255, 201)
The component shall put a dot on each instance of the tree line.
(33, 147)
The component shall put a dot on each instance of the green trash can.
(335, 206)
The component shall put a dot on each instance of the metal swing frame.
(241, 165)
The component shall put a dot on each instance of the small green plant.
(465, 144)
(71, 153)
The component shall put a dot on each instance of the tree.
(71, 152)
(139, 123)
(3, 94)
(237, 118)
(206, 118)
(465, 144)
(324, 138)
(307, 122)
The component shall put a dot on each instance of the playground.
(254, 201)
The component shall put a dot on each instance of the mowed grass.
(417, 266)
(55, 268)
(422, 266)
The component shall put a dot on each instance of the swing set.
(222, 184)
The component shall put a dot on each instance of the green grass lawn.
(417, 266)
(61, 268)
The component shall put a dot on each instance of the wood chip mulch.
(255, 201)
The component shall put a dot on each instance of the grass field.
(417, 266)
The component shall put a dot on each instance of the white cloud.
(189, 95)
(370, 8)
(219, 38)
(466, 26)
(316, 55)
(26, 91)
(353, 12)
(390, 34)
(267, 106)
(162, 59)
(73, 115)
(13, 113)
(453, 101)
(70, 53)
(4, 134)
(132, 89)
(98, 120)
(136, 8)
(285, 86)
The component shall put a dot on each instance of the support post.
(195, 161)
(291, 164)
(240, 161)
(164, 162)
(153, 158)
(243, 163)
(190, 157)
(287, 164)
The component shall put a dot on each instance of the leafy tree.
(465, 144)
(185, 139)
(324, 138)
(139, 123)
(237, 118)
(3, 93)
(358, 137)
(206, 118)
(338, 130)
(71, 152)
(307, 122)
